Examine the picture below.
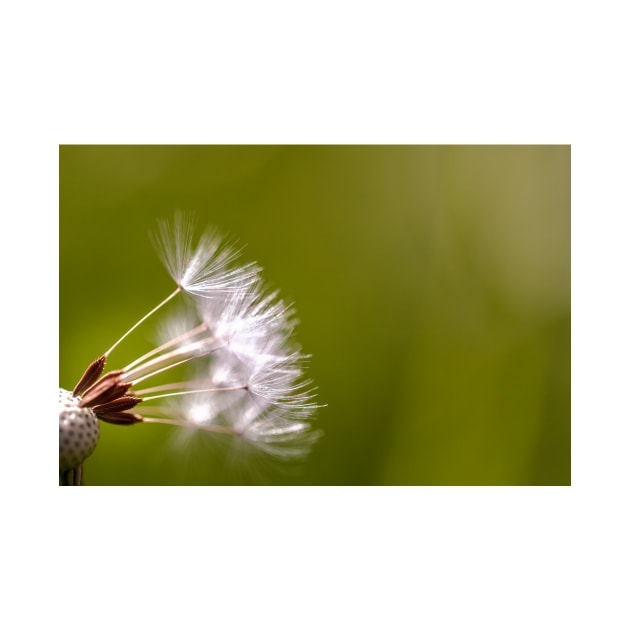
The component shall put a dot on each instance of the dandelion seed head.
(246, 383)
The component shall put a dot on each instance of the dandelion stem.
(193, 425)
(167, 387)
(168, 344)
(194, 349)
(159, 306)
(168, 367)
(198, 391)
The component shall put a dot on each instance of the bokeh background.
(432, 284)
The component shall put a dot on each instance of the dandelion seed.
(203, 270)
(247, 377)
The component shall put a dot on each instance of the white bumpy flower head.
(248, 372)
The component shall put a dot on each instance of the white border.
(344, 72)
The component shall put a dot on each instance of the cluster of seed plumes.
(247, 370)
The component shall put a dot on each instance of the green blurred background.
(432, 284)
